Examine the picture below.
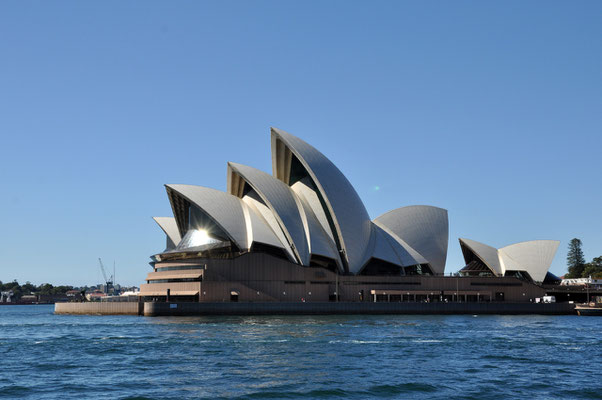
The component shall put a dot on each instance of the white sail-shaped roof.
(311, 199)
(424, 228)
(229, 213)
(308, 209)
(487, 254)
(348, 217)
(256, 207)
(258, 231)
(388, 249)
(222, 208)
(534, 256)
(320, 243)
(169, 226)
(281, 201)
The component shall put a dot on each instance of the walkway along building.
(303, 234)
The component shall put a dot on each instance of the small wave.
(313, 394)
(116, 337)
(388, 390)
(14, 391)
(581, 393)
(427, 341)
(354, 341)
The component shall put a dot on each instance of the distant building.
(95, 295)
(52, 298)
(7, 296)
(594, 283)
(74, 295)
(29, 298)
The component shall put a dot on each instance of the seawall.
(157, 309)
(98, 308)
(182, 309)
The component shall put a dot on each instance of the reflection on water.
(59, 356)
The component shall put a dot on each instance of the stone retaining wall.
(100, 308)
(155, 309)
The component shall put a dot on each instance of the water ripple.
(337, 357)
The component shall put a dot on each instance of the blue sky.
(492, 110)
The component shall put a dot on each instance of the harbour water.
(436, 357)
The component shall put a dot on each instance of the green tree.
(28, 288)
(593, 268)
(46, 289)
(575, 259)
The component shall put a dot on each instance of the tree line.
(29, 288)
(577, 267)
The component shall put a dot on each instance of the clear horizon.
(489, 110)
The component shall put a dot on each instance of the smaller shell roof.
(534, 257)
(406, 255)
(225, 210)
(240, 223)
(387, 249)
(281, 200)
(487, 254)
(320, 243)
(424, 228)
(170, 227)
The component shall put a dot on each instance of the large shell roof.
(307, 208)
(350, 220)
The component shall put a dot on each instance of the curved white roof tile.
(242, 224)
(387, 249)
(351, 223)
(264, 223)
(534, 256)
(406, 253)
(258, 231)
(225, 210)
(170, 227)
(487, 254)
(424, 228)
(281, 201)
(320, 242)
(311, 200)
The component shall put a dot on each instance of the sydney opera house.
(302, 234)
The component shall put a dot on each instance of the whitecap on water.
(427, 341)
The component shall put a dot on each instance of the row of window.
(175, 280)
(178, 268)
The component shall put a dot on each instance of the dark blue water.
(436, 357)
